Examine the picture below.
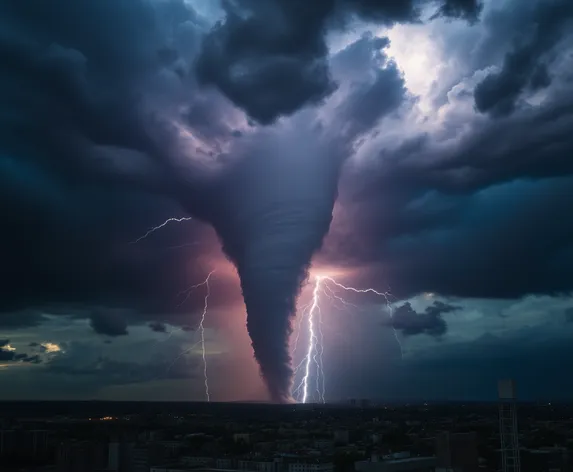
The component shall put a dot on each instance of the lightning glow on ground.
(188, 292)
(324, 286)
(155, 228)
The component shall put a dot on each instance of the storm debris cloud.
(109, 322)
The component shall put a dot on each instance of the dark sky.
(446, 124)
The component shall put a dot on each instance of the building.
(197, 461)
(244, 438)
(225, 463)
(173, 468)
(457, 452)
(94, 456)
(258, 466)
(341, 436)
(164, 452)
(23, 443)
(82, 456)
(324, 444)
(139, 459)
(510, 458)
(182, 468)
(114, 455)
(554, 459)
(400, 462)
(310, 466)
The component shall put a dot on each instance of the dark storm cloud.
(569, 315)
(204, 117)
(524, 66)
(48, 50)
(535, 146)
(425, 207)
(86, 361)
(6, 355)
(430, 321)
(96, 265)
(376, 89)
(74, 117)
(109, 371)
(525, 248)
(439, 308)
(21, 319)
(271, 58)
(158, 327)
(89, 93)
(271, 62)
(466, 371)
(455, 368)
(534, 359)
(35, 359)
(109, 322)
(369, 102)
(467, 9)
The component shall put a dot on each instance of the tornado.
(276, 210)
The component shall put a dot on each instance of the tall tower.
(508, 426)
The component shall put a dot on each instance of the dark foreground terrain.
(146, 436)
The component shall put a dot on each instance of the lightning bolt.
(313, 359)
(385, 295)
(162, 225)
(311, 349)
(187, 294)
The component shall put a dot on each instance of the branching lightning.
(155, 228)
(187, 294)
(312, 361)
(324, 286)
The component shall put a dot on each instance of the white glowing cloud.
(418, 57)
(51, 347)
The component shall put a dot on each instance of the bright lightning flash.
(324, 286)
(187, 292)
(155, 228)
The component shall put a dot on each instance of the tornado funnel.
(276, 209)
